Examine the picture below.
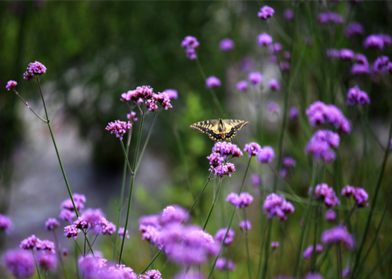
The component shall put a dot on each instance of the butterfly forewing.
(218, 129)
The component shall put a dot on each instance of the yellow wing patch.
(220, 129)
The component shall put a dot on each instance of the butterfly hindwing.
(220, 129)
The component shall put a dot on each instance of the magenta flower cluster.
(265, 12)
(67, 208)
(225, 264)
(5, 223)
(264, 39)
(359, 194)
(144, 94)
(219, 164)
(119, 128)
(51, 224)
(245, 225)
(321, 143)
(338, 235)
(212, 82)
(276, 205)
(266, 154)
(221, 234)
(34, 68)
(382, 65)
(320, 113)
(20, 263)
(352, 29)
(377, 41)
(34, 243)
(240, 201)
(252, 148)
(330, 17)
(191, 44)
(255, 78)
(325, 194)
(308, 251)
(242, 85)
(226, 44)
(357, 96)
(11, 84)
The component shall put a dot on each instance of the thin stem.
(126, 157)
(42, 97)
(36, 264)
(261, 248)
(146, 142)
(133, 174)
(120, 207)
(373, 204)
(76, 259)
(383, 256)
(281, 249)
(318, 211)
(84, 245)
(246, 172)
(28, 106)
(80, 250)
(338, 261)
(213, 203)
(59, 253)
(247, 246)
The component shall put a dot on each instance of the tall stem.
(36, 264)
(213, 203)
(59, 253)
(247, 246)
(133, 174)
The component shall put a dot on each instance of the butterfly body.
(220, 129)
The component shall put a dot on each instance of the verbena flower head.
(144, 94)
(287, 55)
(121, 233)
(71, 231)
(221, 233)
(359, 194)
(51, 224)
(356, 96)
(265, 12)
(252, 148)
(240, 201)
(381, 64)
(151, 274)
(173, 213)
(275, 48)
(34, 68)
(227, 149)
(67, 215)
(330, 17)
(47, 261)
(285, 66)
(212, 82)
(255, 78)
(336, 235)
(224, 264)
(119, 128)
(274, 244)
(242, 85)
(276, 205)
(226, 44)
(30, 243)
(132, 116)
(320, 113)
(273, 107)
(313, 276)
(245, 225)
(289, 162)
(274, 85)
(92, 266)
(321, 143)
(374, 42)
(118, 271)
(361, 59)
(346, 272)
(288, 14)
(330, 215)
(255, 179)
(293, 112)
(359, 69)
(11, 84)
(109, 229)
(308, 251)
(5, 223)
(190, 41)
(264, 39)
(333, 54)
(266, 154)
(347, 54)
(20, 263)
(325, 194)
(171, 93)
(352, 29)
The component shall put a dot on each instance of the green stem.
(133, 174)
(338, 261)
(247, 247)
(36, 265)
(318, 211)
(76, 259)
(261, 248)
(384, 255)
(59, 253)
(213, 203)
(27, 105)
(120, 207)
(281, 250)
(373, 204)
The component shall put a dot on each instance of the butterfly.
(220, 129)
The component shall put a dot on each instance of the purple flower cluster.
(218, 158)
(173, 213)
(171, 93)
(144, 94)
(320, 113)
(264, 39)
(274, 85)
(275, 48)
(11, 84)
(330, 17)
(308, 251)
(273, 107)
(119, 128)
(274, 244)
(288, 14)
(252, 148)
(330, 215)
(245, 225)
(67, 209)
(240, 201)
(265, 12)
(34, 68)
(47, 261)
(225, 264)
(5, 223)
(359, 194)
(221, 233)
(377, 41)
(212, 82)
(151, 274)
(356, 96)
(51, 224)
(313, 276)
(352, 29)
(293, 112)
(242, 85)
(325, 194)
(276, 205)
(338, 234)
(132, 116)
(321, 143)
(226, 44)
(121, 233)
(266, 154)
(382, 65)
(34, 243)
(20, 263)
(289, 162)
(285, 66)
(191, 44)
(343, 54)
(255, 78)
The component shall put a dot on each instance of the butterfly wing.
(218, 129)
(232, 126)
